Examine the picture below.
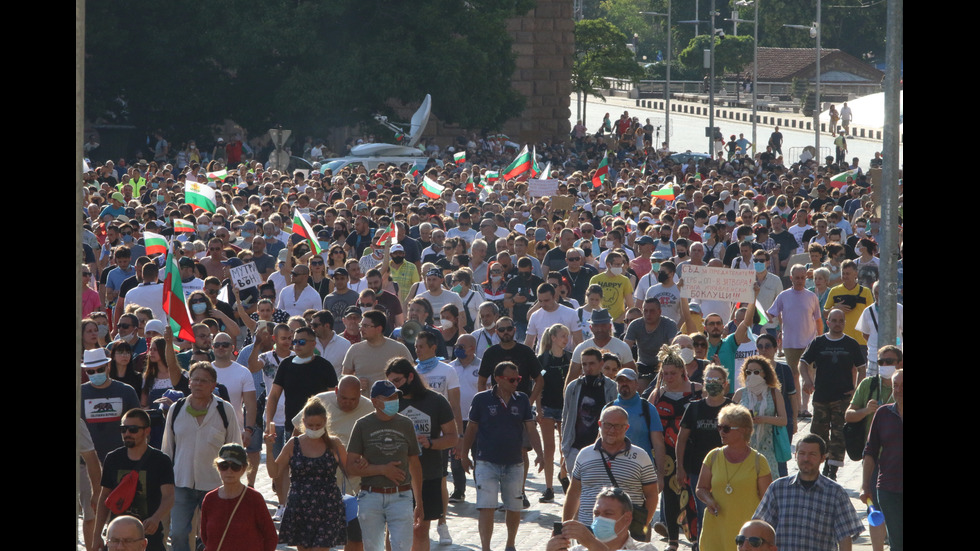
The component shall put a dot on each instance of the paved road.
(687, 131)
(536, 522)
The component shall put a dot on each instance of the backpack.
(180, 404)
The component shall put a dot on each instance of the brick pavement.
(536, 522)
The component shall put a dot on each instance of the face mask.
(780, 204)
(128, 337)
(604, 528)
(154, 185)
(504, 197)
(714, 389)
(246, 234)
(886, 371)
(655, 267)
(316, 433)
(681, 254)
(445, 323)
(99, 379)
(759, 266)
(298, 360)
(763, 222)
(662, 277)
(391, 408)
(496, 278)
(199, 308)
(635, 210)
(398, 259)
(127, 239)
(103, 331)
(755, 383)
(459, 353)
(610, 244)
(203, 228)
(616, 271)
(664, 238)
(860, 230)
(161, 198)
(523, 214)
(687, 354)
(457, 288)
(601, 213)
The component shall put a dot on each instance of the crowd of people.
(413, 326)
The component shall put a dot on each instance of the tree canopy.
(183, 64)
(732, 53)
(600, 51)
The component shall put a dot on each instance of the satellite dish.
(410, 331)
(419, 120)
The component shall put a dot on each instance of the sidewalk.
(536, 522)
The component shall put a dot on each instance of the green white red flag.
(840, 180)
(470, 185)
(535, 169)
(174, 305)
(666, 193)
(520, 165)
(181, 225)
(219, 175)
(302, 228)
(154, 243)
(489, 177)
(460, 157)
(431, 188)
(546, 173)
(199, 196)
(601, 173)
(389, 233)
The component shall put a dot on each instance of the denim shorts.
(551, 413)
(493, 479)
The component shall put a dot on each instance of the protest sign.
(723, 284)
(245, 276)
(542, 188)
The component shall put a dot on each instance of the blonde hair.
(738, 416)
(544, 345)
(671, 355)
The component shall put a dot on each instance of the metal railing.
(773, 90)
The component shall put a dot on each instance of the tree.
(307, 65)
(732, 53)
(600, 52)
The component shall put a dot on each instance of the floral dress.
(762, 435)
(314, 515)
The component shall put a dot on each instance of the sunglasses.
(754, 541)
(887, 361)
(727, 428)
(131, 429)
(95, 370)
(300, 342)
(225, 465)
(512, 380)
(503, 329)
(753, 372)
(124, 325)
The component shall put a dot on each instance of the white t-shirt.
(542, 319)
(866, 325)
(468, 377)
(334, 352)
(270, 364)
(444, 298)
(614, 346)
(289, 303)
(238, 380)
(670, 300)
(442, 378)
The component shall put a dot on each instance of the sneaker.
(526, 504)
(279, 511)
(548, 496)
(660, 528)
(457, 497)
(444, 537)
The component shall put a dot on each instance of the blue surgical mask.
(604, 528)
(127, 239)
(99, 379)
(457, 288)
(161, 198)
(759, 266)
(459, 353)
(391, 408)
(199, 308)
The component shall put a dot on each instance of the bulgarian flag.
(602, 172)
(617, 208)
(431, 188)
(219, 175)
(646, 162)
(460, 157)
(199, 196)
(666, 193)
(546, 173)
(763, 318)
(840, 180)
(520, 165)
(489, 177)
(389, 233)
(302, 228)
(181, 225)
(154, 243)
(414, 173)
(470, 187)
(535, 169)
(173, 302)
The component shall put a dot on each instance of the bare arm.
(650, 494)
(271, 405)
(569, 510)
(280, 464)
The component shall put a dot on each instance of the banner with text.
(542, 188)
(724, 284)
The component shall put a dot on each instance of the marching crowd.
(408, 326)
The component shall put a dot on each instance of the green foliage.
(732, 53)
(304, 64)
(600, 51)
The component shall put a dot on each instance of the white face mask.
(687, 354)
(610, 244)
(616, 271)
(755, 383)
(316, 433)
(886, 371)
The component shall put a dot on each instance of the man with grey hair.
(612, 514)
(486, 335)
(126, 532)
(478, 254)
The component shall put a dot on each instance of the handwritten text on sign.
(542, 188)
(245, 276)
(725, 284)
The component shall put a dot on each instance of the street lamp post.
(814, 30)
(755, 60)
(667, 91)
(711, 84)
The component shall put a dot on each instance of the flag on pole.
(840, 180)
(617, 209)
(199, 196)
(666, 193)
(646, 162)
(431, 188)
(520, 165)
(535, 169)
(546, 173)
(181, 225)
(173, 301)
(602, 172)
(470, 186)
(763, 319)
(416, 170)
(489, 177)
(154, 243)
(219, 175)
(390, 232)
(460, 157)
(302, 228)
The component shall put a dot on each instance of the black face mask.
(665, 238)
(662, 277)
(398, 259)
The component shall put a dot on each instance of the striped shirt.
(813, 519)
(631, 467)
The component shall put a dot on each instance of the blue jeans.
(521, 331)
(375, 510)
(694, 492)
(186, 503)
(495, 479)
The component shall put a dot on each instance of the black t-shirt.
(359, 242)
(527, 287)
(521, 355)
(300, 381)
(554, 260)
(413, 253)
(428, 413)
(391, 306)
(155, 470)
(579, 282)
(833, 361)
(591, 400)
(127, 284)
(554, 369)
(702, 420)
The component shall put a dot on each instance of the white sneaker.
(279, 511)
(444, 537)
